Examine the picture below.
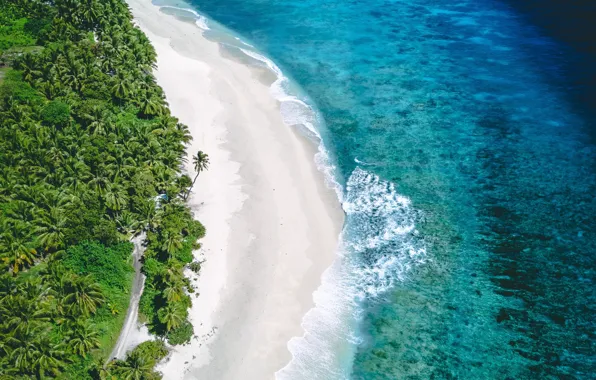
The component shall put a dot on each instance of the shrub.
(56, 113)
(106, 232)
(184, 255)
(182, 334)
(109, 266)
(152, 267)
(36, 27)
(14, 86)
(195, 266)
(152, 350)
(147, 305)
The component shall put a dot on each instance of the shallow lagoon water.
(466, 170)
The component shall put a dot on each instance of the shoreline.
(272, 224)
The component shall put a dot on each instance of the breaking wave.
(379, 246)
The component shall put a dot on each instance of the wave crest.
(201, 20)
(378, 247)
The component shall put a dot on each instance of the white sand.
(272, 225)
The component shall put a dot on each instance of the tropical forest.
(90, 160)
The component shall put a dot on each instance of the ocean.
(460, 139)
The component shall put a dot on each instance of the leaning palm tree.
(200, 162)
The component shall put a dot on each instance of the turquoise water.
(466, 168)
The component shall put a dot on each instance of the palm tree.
(115, 198)
(173, 292)
(28, 63)
(122, 88)
(48, 358)
(83, 339)
(135, 367)
(20, 346)
(101, 369)
(51, 229)
(200, 162)
(80, 293)
(172, 242)
(184, 132)
(16, 248)
(94, 119)
(21, 313)
(151, 107)
(172, 315)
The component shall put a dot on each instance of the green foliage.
(152, 350)
(181, 334)
(153, 268)
(37, 27)
(109, 266)
(56, 113)
(86, 145)
(195, 266)
(14, 87)
(16, 33)
(138, 364)
(184, 255)
(106, 232)
(148, 306)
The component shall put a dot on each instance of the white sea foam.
(201, 20)
(383, 238)
(296, 111)
(379, 246)
(377, 249)
(243, 42)
(278, 88)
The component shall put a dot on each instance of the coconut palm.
(16, 247)
(115, 198)
(20, 347)
(122, 87)
(172, 315)
(23, 314)
(200, 162)
(173, 291)
(28, 63)
(51, 229)
(94, 120)
(80, 293)
(83, 338)
(172, 242)
(135, 367)
(47, 357)
(151, 107)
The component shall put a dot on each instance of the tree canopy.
(90, 156)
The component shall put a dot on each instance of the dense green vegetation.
(138, 364)
(89, 157)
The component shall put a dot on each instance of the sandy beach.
(272, 224)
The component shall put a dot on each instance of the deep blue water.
(463, 141)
